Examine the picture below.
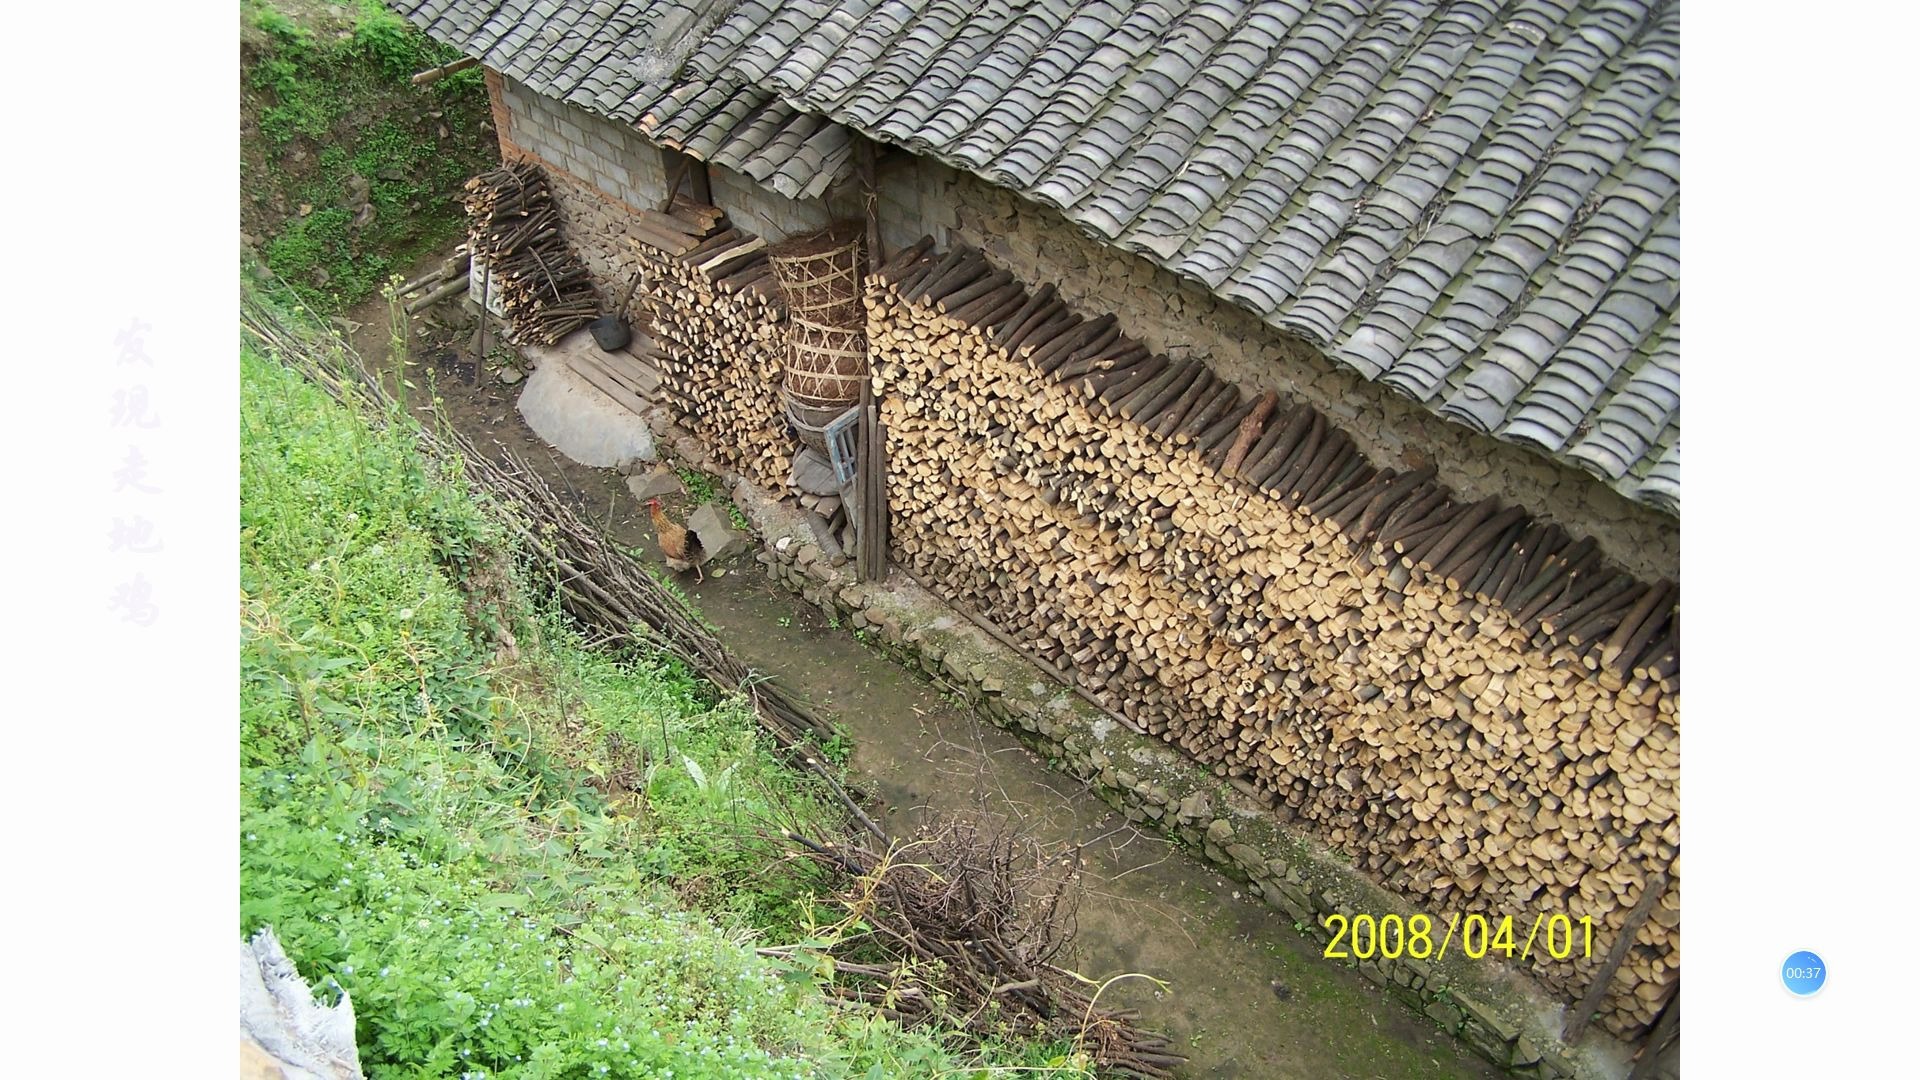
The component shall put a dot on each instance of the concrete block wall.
(762, 210)
(611, 157)
(914, 198)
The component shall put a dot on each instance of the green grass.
(538, 862)
(338, 126)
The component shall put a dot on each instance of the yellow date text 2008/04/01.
(1389, 937)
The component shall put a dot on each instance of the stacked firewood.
(714, 320)
(1472, 704)
(514, 229)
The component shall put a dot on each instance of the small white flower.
(406, 613)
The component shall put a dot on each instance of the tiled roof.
(1473, 203)
(621, 59)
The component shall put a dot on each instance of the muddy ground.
(1245, 994)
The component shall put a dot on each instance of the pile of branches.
(514, 229)
(964, 927)
(966, 924)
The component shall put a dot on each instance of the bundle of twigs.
(514, 229)
(966, 924)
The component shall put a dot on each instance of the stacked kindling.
(512, 226)
(716, 330)
(1472, 704)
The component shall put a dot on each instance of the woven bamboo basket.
(820, 274)
(826, 326)
(825, 364)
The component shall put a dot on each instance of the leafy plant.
(700, 487)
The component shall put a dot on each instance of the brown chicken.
(679, 544)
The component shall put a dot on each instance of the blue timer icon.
(1804, 973)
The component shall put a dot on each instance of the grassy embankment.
(520, 856)
(348, 172)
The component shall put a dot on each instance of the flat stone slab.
(813, 473)
(657, 482)
(718, 537)
(574, 417)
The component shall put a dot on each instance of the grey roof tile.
(1474, 203)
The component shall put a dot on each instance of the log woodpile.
(1472, 704)
(714, 322)
(513, 227)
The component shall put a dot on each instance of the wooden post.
(1596, 993)
(871, 563)
(863, 166)
(434, 75)
(685, 169)
(699, 182)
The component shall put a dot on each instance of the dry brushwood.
(514, 228)
(971, 921)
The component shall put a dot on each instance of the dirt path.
(1244, 994)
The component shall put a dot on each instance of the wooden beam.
(699, 182)
(434, 75)
(863, 165)
(674, 164)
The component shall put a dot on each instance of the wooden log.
(435, 74)
(1225, 396)
(442, 292)
(1035, 302)
(1638, 625)
(904, 258)
(1200, 389)
(1151, 407)
(1391, 495)
(959, 298)
(976, 310)
(1135, 379)
(1291, 458)
(1590, 1001)
(1055, 352)
(1249, 430)
(941, 268)
(1043, 326)
(1214, 438)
